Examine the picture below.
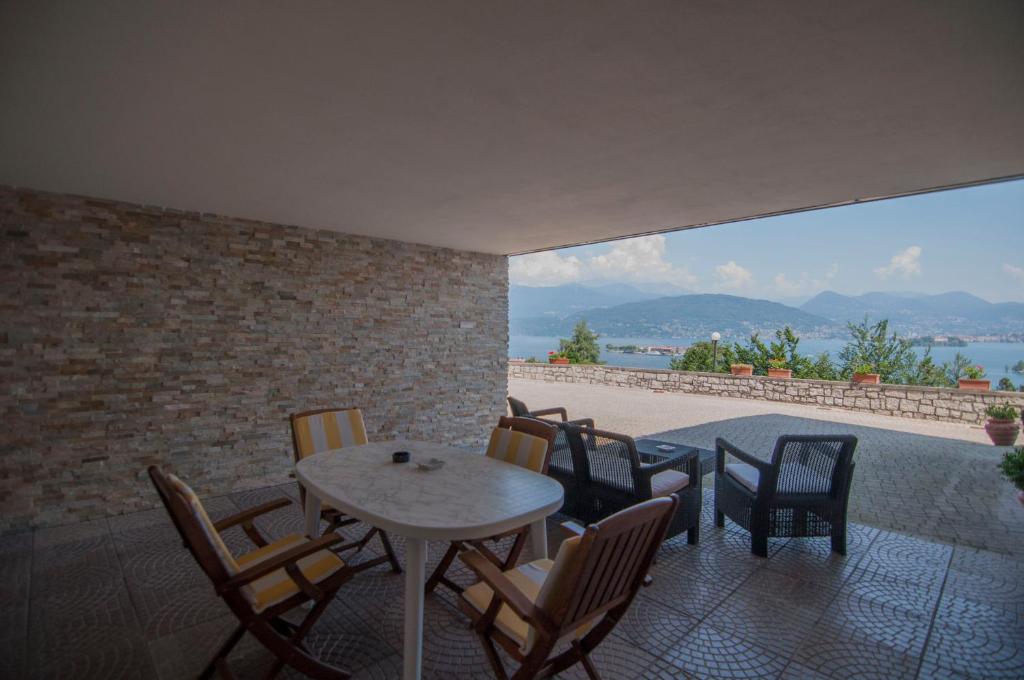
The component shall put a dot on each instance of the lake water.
(996, 357)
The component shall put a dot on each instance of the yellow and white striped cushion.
(278, 586)
(538, 580)
(519, 448)
(186, 493)
(330, 430)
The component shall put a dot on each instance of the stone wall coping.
(741, 378)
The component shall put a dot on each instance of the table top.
(472, 496)
(648, 446)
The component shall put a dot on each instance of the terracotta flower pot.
(1002, 432)
(741, 369)
(970, 384)
(780, 373)
(867, 378)
(561, 361)
(1020, 497)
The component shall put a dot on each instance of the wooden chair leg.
(719, 518)
(588, 665)
(222, 653)
(839, 537)
(759, 544)
(442, 568)
(390, 552)
(515, 551)
(693, 535)
(492, 656)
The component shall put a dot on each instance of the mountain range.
(625, 311)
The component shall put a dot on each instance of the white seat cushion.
(745, 474)
(668, 481)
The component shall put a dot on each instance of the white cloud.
(906, 264)
(544, 269)
(783, 286)
(1016, 273)
(640, 259)
(636, 260)
(732, 276)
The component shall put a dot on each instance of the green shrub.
(1012, 467)
(974, 372)
(582, 348)
(777, 363)
(1002, 412)
(1005, 385)
(863, 368)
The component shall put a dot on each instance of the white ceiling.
(506, 127)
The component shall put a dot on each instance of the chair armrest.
(585, 422)
(251, 513)
(289, 556)
(503, 588)
(722, 447)
(559, 410)
(574, 527)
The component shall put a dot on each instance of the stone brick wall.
(931, 403)
(134, 335)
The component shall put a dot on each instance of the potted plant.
(1002, 427)
(741, 369)
(557, 358)
(864, 374)
(1012, 467)
(777, 369)
(975, 379)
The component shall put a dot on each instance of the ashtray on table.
(665, 447)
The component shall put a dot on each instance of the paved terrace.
(121, 598)
(926, 478)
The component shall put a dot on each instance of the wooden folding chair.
(577, 599)
(336, 428)
(523, 441)
(260, 586)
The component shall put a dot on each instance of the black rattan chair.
(561, 467)
(802, 491)
(613, 476)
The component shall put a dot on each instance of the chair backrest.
(326, 429)
(194, 525)
(604, 567)
(518, 408)
(526, 442)
(604, 457)
(813, 464)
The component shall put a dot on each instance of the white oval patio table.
(471, 496)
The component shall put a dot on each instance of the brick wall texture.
(134, 335)
(930, 403)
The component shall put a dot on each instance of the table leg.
(415, 578)
(539, 538)
(312, 516)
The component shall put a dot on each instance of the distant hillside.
(684, 316)
(918, 314)
(562, 301)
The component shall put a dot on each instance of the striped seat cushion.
(278, 586)
(518, 448)
(186, 493)
(329, 430)
(539, 581)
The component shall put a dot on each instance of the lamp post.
(715, 337)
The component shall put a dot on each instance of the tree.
(891, 356)
(785, 347)
(700, 357)
(582, 348)
(957, 369)
(1006, 385)
(927, 372)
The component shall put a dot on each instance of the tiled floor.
(123, 599)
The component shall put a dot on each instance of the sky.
(963, 239)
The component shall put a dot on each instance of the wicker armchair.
(561, 468)
(802, 491)
(613, 476)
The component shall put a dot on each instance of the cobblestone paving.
(929, 479)
(123, 599)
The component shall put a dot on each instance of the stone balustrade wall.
(930, 403)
